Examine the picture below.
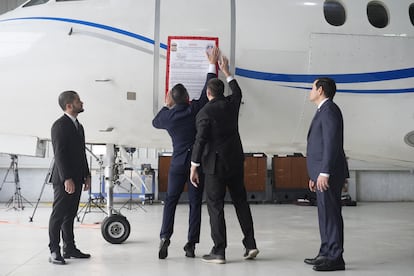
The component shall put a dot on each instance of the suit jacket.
(69, 150)
(179, 121)
(218, 138)
(325, 152)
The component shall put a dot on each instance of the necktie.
(79, 128)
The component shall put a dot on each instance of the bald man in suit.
(327, 169)
(178, 118)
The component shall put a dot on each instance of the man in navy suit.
(219, 151)
(178, 118)
(327, 169)
(70, 172)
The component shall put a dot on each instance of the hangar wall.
(366, 183)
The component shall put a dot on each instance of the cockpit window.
(411, 12)
(34, 3)
(334, 13)
(377, 14)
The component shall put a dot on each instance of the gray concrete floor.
(379, 240)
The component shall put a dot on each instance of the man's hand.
(213, 55)
(69, 186)
(322, 183)
(224, 66)
(312, 186)
(194, 178)
(169, 102)
(87, 183)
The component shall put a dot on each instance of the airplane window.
(334, 13)
(377, 14)
(411, 11)
(35, 2)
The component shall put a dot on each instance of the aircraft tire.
(115, 229)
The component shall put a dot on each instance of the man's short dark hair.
(179, 94)
(216, 87)
(328, 86)
(67, 97)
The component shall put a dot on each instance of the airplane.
(111, 50)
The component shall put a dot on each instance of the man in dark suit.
(219, 150)
(178, 118)
(70, 172)
(327, 169)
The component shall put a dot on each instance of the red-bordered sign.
(187, 62)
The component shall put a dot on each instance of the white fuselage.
(104, 49)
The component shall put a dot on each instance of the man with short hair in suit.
(70, 172)
(327, 169)
(178, 118)
(218, 149)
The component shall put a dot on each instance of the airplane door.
(377, 115)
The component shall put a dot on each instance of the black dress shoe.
(330, 265)
(163, 252)
(315, 261)
(75, 253)
(56, 258)
(189, 248)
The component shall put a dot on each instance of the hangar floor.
(379, 240)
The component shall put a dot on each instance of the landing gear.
(115, 229)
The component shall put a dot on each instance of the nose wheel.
(115, 229)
